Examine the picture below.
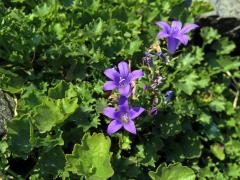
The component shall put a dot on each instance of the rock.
(225, 18)
(7, 110)
(226, 8)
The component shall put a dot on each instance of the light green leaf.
(228, 63)
(51, 113)
(195, 57)
(218, 151)
(200, 6)
(91, 158)
(188, 83)
(209, 35)
(224, 46)
(47, 116)
(172, 172)
(134, 47)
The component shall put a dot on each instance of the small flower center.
(123, 82)
(125, 118)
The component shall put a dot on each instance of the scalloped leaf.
(91, 158)
(51, 113)
(19, 136)
(172, 172)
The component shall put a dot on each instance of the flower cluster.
(124, 115)
(123, 79)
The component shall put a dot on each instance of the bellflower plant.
(121, 80)
(174, 34)
(122, 117)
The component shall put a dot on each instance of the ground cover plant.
(108, 90)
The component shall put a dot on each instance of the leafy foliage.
(92, 158)
(173, 171)
(52, 55)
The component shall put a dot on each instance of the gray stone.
(225, 18)
(226, 8)
(7, 110)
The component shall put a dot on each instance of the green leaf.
(58, 91)
(218, 151)
(209, 35)
(200, 7)
(228, 63)
(134, 47)
(147, 152)
(204, 118)
(91, 158)
(50, 113)
(19, 136)
(188, 83)
(233, 170)
(172, 172)
(170, 125)
(195, 57)
(47, 141)
(218, 104)
(191, 146)
(58, 30)
(47, 116)
(224, 46)
(51, 163)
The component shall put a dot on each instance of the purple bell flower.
(121, 80)
(174, 34)
(122, 117)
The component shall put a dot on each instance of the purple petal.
(177, 25)
(183, 39)
(172, 45)
(109, 85)
(114, 126)
(165, 27)
(123, 68)
(135, 75)
(130, 127)
(188, 28)
(125, 91)
(162, 35)
(112, 73)
(110, 112)
(123, 104)
(135, 112)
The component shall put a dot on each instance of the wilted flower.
(153, 111)
(121, 80)
(168, 96)
(174, 34)
(147, 59)
(163, 56)
(159, 55)
(156, 82)
(122, 117)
